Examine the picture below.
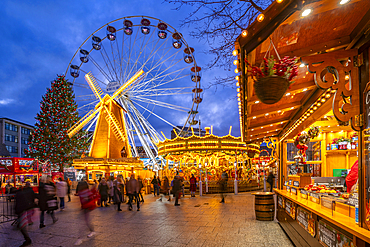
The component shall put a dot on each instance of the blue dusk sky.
(39, 39)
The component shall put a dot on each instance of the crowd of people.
(103, 193)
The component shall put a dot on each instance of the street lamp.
(200, 180)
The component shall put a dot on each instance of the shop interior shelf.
(348, 151)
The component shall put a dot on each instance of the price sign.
(331, 237)
(288, 188)
(327, 203)
(353, 200)
(290, 182)
(293, 190)
(281, 202)
(304, 194)
(290, 208)
(315, 198)
(296, 183)
(285, 183)
(306, 221)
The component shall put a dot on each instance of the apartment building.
(15, 135)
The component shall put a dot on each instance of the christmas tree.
(49, 141)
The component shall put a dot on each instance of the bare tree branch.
(218, 23)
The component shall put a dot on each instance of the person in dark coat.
(46, 200)
(103, 191)
(176, 188)
(270, 180)
(223, 185)
(155, 185)
(24, 203)
(193, 185)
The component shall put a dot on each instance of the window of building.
(26, 131)
(11, 138)
(12, 149)
(24, 140)
(12, 127)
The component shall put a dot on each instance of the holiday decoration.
(313, 132)
(49, 142)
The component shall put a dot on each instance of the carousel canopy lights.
(236, 62)
(237, 84)
(235, 52)
(244, 33)
(237, 78)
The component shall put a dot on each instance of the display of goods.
(319, 189)
(313, 131)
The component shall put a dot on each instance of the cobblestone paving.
(199, 221)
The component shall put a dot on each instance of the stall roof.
(330, 27)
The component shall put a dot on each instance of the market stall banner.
(305, 220)
(331, 237)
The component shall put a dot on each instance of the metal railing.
(7, 208)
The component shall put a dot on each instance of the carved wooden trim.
(329, 72)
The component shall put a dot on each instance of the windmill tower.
(110, 135)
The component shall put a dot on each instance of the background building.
(15, 135)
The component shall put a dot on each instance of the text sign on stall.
(290, 208)
(281, 202)
(293, 190)
(288, 188)
(331, 237)
(304, 194)
(306, 221)
(296, 183)
(315, 198)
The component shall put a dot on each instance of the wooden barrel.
(264, 206)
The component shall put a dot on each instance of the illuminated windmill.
(110, 135)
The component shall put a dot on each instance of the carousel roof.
(209, 146)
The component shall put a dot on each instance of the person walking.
(88, 200)
(103, 191)
(270, 180)
(69, 184)
(166, 187)
(24, 204)
(141, 185)
(47, 200)
(132, 188)
(193, 185)
(117, 195)
(121, 187)
(110, 189)
(62, 189)
(223, 186)
(176, 189)
(155, 185)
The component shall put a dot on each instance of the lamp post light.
(206, 178)
(236, 178)
(200, 180)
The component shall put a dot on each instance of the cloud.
(6, 101)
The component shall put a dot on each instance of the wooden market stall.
(17, 171)
(321, 121)
(207, 157)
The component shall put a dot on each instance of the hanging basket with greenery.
(272, 78)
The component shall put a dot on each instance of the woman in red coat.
(193, 185)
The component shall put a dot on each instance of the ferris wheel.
(171, 83)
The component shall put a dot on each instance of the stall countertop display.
(346, 223)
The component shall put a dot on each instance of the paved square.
(199, 221)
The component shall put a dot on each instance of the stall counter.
(342, 221)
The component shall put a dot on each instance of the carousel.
(207, 157)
